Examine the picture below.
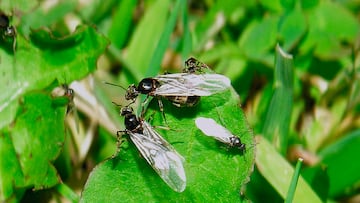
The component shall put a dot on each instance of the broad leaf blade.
(213, 171)
(339, 158)
(64, 59)
(33, 141)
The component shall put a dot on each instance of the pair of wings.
(211, 128)
(187, 84)
(162, 157)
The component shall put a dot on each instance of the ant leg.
(143, 106)
(118, 142)
(132, 101)
(161, 106)
(151, 117)
(14, 44)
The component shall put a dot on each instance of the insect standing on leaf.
(193, 65)
(162, 157)
(69, 93)
(211, 128)
(181, 89)
(7, 31)
(65, 91)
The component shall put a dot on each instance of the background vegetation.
(307, 107)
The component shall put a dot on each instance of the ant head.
(190, 62)
(236, 143)
(126, 110)
(131, 92)
(10, 32)
(192, 65)
(68, 92)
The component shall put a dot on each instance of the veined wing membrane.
(161, 156)
(211, 128)
(185, 84)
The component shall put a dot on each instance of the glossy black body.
(131, 122)
(148, 86)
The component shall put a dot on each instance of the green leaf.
(339, 158)
(254, 42)
(64, 59)
(40, 18)
(9, 6)
(212, 23)
(309, 4)
(8, 165)
(288, 4)
(318, 178)
(214, 173)
(327, 31)
(292, 28)
(272, 5)
(278, 172)
(33, 141)
(278, 116)
(97, 10)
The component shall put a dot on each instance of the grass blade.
(154, 66)
(278, 116)
(187, 40)
(294, 181)
(277, 171)
(67, 192)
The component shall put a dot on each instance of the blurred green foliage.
(315, 116)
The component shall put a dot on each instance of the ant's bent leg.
(143, 106)
(161, 106)
(119, 141)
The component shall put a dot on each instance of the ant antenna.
(108, 83)
(116, 104)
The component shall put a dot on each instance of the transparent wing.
(210, 128)
(185, 84)
(161, 156)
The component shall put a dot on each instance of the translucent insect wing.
(185, 84)
(161, 156)
(211, 128)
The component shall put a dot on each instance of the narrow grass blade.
(187, 40)
(67, 192)
(294, 181)
(154, 66)
(121, 23)
(146, 36)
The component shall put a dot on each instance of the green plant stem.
(67, 192)
(294, 180)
